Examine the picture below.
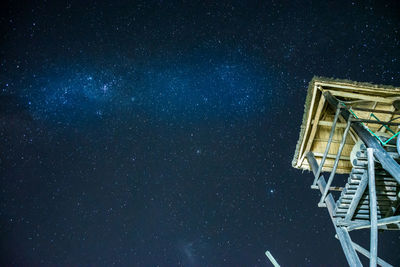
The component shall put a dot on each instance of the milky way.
(195, 89)
(161, 133)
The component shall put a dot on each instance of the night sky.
(162, 132)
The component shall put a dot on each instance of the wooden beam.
(362, 97)
(366, 253)
(367, 224)
(387, 162)
(321, 105)
(329, 123)
(363, 88)
(347, 245)
(336, 188)
(373, 209)
(308, 125)
(333, 141)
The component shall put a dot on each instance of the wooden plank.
(359, 211)
(361, 88)
(333, 141)
(357, 197)
(382, 206)
(310, 140)
(361, 96)
(382, 188)
(366, 197)
(382, 202)
(358, 216)
(336, 188)
(329, 124)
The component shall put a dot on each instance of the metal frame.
(343, 226)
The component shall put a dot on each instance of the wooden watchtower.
(351, 128)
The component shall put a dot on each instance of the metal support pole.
(328, 145)
(373, 209)
(324, 194)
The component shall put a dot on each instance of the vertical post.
(373, 209)
(328, 185)
(328, 145)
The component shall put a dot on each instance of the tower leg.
(372, 206)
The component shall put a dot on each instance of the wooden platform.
(367, 101)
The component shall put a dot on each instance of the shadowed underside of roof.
(368, 101)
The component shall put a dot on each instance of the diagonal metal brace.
(328, 145)
(330, 180)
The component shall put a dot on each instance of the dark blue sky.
(162, 132)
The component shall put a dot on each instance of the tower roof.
(364, 100)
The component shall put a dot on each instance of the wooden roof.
(318, 117)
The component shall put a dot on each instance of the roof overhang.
(364, 98)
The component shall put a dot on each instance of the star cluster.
(162, 132)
